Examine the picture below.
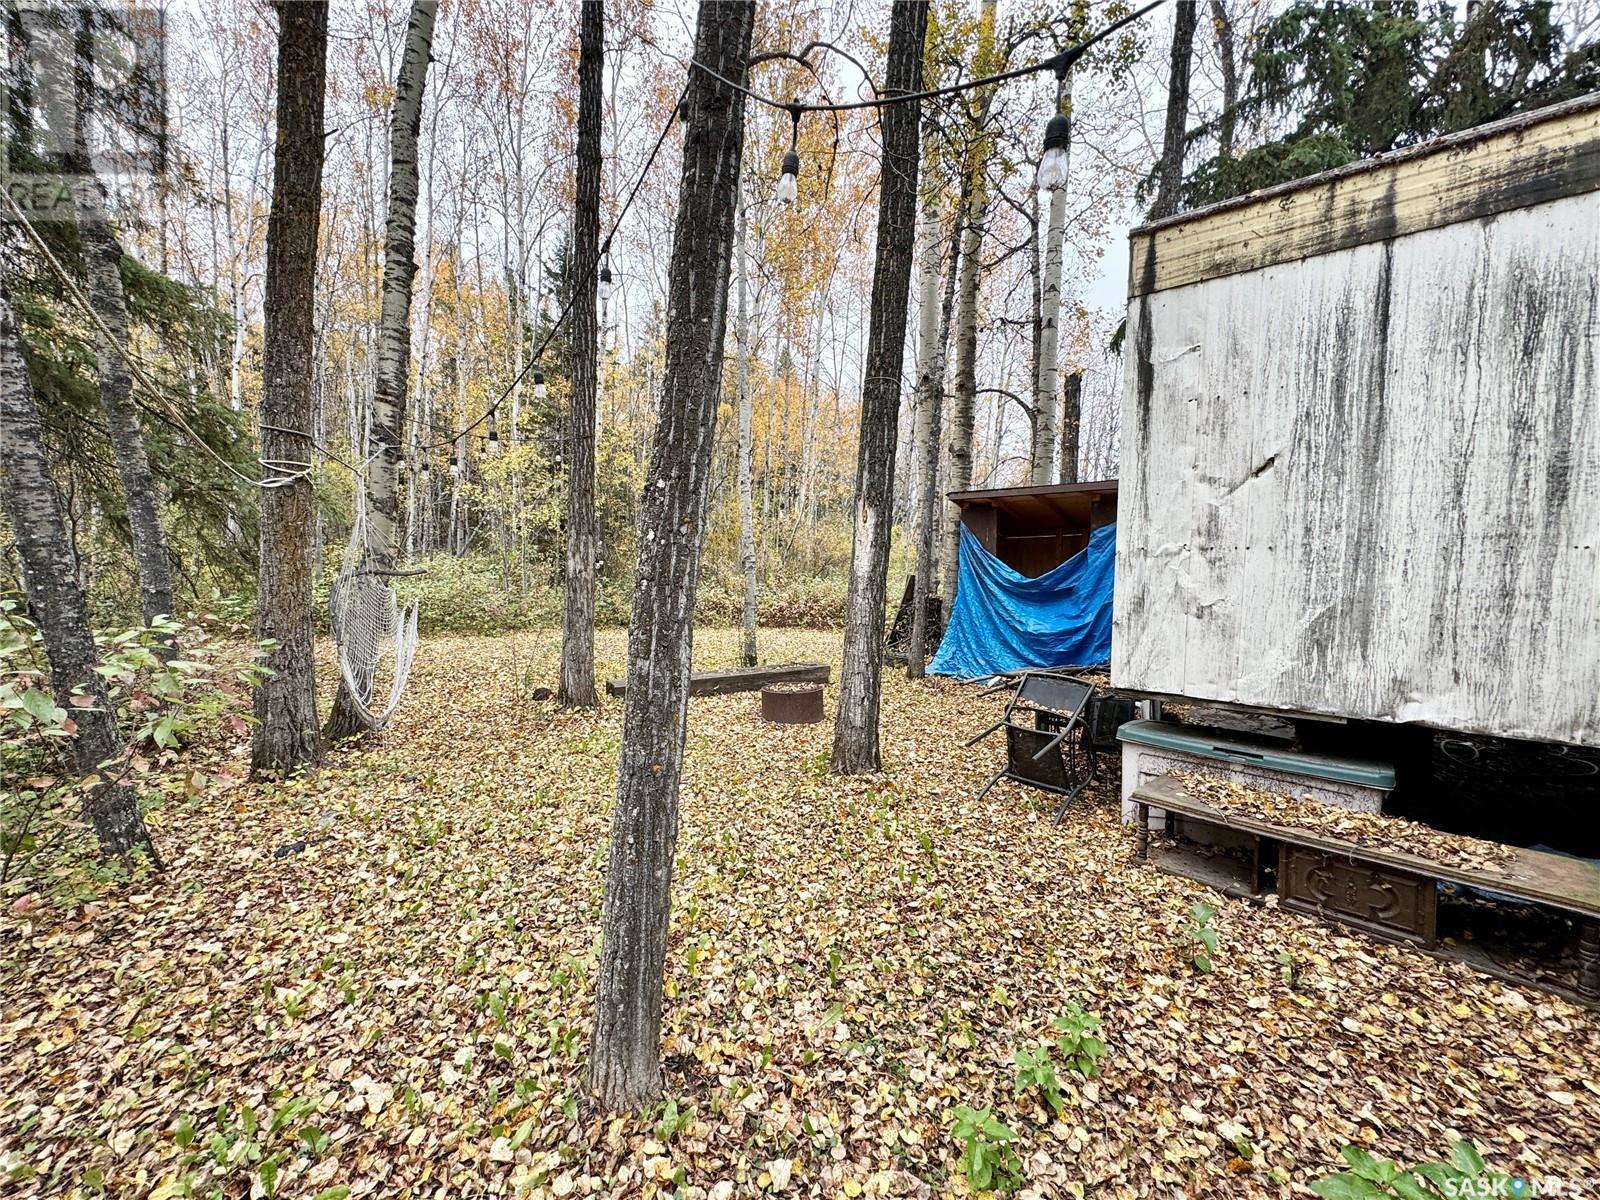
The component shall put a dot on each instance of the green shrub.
(1037, 1068)
(159, 703)
(798, 602)
(1371, 1178)
(1075, 1042)
(1200, 939)
(987, 1159)
(466, 595)
(1076, 1039)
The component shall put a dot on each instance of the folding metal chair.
(1055, 753)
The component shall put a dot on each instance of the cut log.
(741, 679)
(792, 703)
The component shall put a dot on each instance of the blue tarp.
(1003, 621)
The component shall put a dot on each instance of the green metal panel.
(1185, 740)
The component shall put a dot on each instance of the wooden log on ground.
(741, 679)
(792, 703)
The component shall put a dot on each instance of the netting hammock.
(374, 637)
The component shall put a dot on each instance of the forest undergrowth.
(377, 980)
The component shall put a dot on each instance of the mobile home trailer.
(1361, 441)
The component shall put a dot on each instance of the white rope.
(370, 630)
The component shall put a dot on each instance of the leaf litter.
(1378, 831)
(400, 1006)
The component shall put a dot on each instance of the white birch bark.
(964, 393)
(925, 441)
(392, 377)
(747, 523)
(1046, 405)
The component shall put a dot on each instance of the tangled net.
(374, 637)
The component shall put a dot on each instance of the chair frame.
(1052, 731)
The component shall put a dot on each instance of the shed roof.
(1044, 504)
(1524, 160)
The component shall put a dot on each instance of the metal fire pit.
(792, 703)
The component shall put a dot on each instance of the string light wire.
(566, 310)
(1060, 63)
(290, 471)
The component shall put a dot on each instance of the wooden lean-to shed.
(1361, 440)
(1035, 529)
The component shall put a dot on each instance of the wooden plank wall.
(1367, 483)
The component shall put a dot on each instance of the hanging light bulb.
(494, 441)
(1053, 162)
(540, 391)
(788, 182)
(789, 177)
(455, 466)
(424, 469)
(605, 274)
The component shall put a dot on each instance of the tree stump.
(792, 703)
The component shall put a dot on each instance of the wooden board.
(741, 679)
(1367, 484)
(1567, 883)
(1526, 160)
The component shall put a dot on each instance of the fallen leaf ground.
(403, 1005)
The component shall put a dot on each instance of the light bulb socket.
(1054, 162)
(1058, 132)
(791, 163)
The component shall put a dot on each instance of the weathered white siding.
(1367, 483)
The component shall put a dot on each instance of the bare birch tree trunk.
(964, 394)
(964, 391)
(1071, 426)
(747, 515)
(925, 441)
(1046, 379)
(1169, 170)
(28, 494)
(286, 734)
(576, 688)
(947, 308)
(625, 1058)
(393, 373)
(855, 731)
